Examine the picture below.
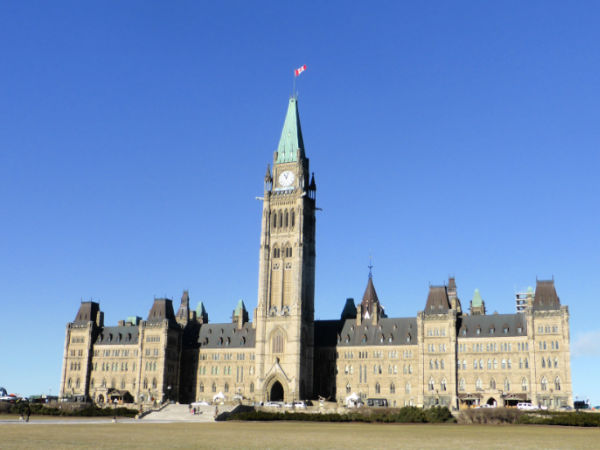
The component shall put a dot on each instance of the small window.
(478, 331)
(505, 330)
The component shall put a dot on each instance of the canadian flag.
(299, 70)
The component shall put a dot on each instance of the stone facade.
(442, 356)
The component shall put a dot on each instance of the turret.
(477, 304)
(183, 314)
(240, 314)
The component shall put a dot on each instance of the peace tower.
(286, 279)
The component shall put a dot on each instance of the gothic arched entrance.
(276, 394)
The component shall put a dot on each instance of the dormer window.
(478, 331)
(464, 331)
(364, 339)
(505, 330)
(519, 330)
(492, 330)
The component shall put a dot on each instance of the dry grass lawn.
(292, 435)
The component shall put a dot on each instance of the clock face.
(286, 178)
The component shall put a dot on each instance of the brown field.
(292, 435)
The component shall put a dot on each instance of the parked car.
(525, 406)
(273, 405)
(566, 408)
(288, 405)
(299, 405)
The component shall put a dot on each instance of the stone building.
(442, 356)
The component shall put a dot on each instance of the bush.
(573, 419)
(490, 416)
(84, 410)
(408, 414)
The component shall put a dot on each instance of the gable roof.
(399, 331)
(512, 323)
(226, 335)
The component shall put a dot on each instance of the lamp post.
(169, 393)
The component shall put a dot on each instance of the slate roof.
(227, 335)
(369, 298)
(162, 309)
(401, 331)
(120, 335)
(87, 312)
(437, 300)
(326, 331)
(468, 325)
(545, 297)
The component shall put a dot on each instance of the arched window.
(478, 384)
(104, 382)
(524, 385)
(431, 384)
(214, 387)
(557, 384)
(69, 382)
(481, 363)
(503, 363)
(280, 218)
(275, 220)
(277, 343)
(293, 219)
(489, 364)
(507, 385)
(461, 385)
(251, 388)
(407, 388)
(122, 383)
(226, 388)
(555, 363)
(285, 223)
(377, 388)
(549, 363)
(201, 388)
(348, 388)
(492, 384)
(509, 363)
(77, 382)
(544, 384)
(92, 383)
(527, 363)
(437, 364)
(442, 364)
(464, 364)
(392, 388)
(495, 363)
(543, 363)
(443, 384)
(431, 364)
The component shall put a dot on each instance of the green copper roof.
(291, 135)
(239, 308)
(200, 309)
(477, 301)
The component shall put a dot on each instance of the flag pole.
(294, 86)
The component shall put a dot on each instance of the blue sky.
(447, 138)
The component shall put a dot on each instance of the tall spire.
(291, 136)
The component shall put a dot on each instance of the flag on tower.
(299, 70)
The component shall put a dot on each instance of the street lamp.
(169, 393)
